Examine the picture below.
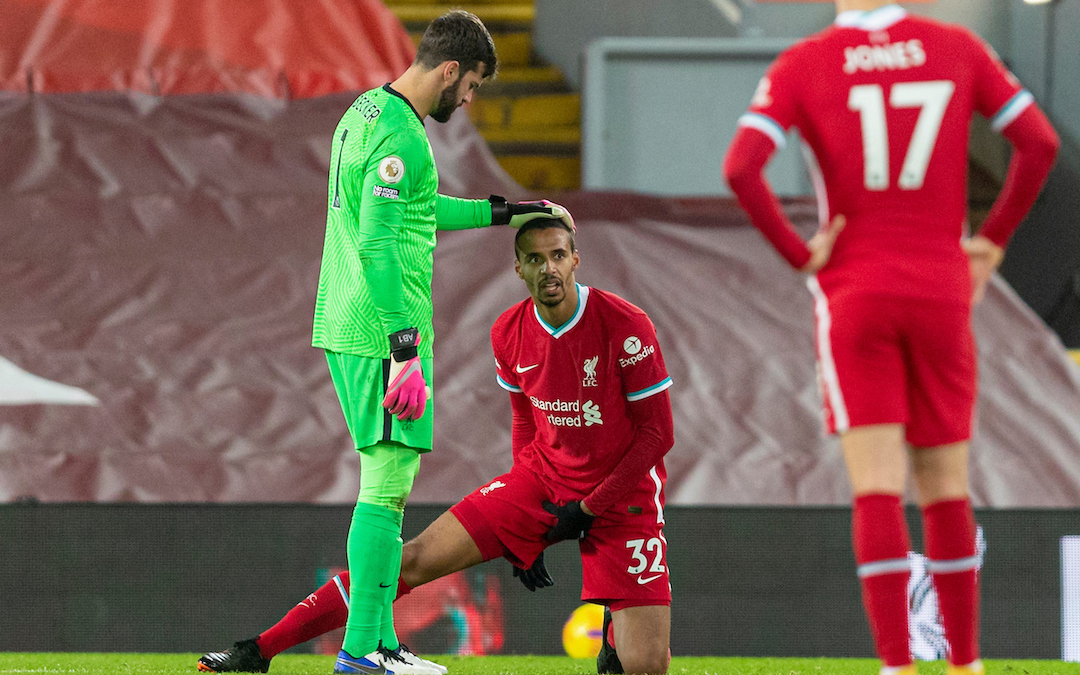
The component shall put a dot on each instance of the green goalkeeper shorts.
(360, 383)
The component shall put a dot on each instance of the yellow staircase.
(528, 115)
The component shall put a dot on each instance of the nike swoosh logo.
(526, 369)
(644, 580)
(384, 585)
(346, 666)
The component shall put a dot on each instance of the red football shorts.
(623, 558)
(895, 360)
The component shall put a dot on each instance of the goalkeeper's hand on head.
(516, 214)
(536, 576)
(406, 391)
(573, 523)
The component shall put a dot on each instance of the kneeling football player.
(591, 425)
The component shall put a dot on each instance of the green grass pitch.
(286, 664)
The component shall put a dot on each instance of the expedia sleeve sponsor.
(645, 353)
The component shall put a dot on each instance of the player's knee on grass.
(637, 658)
(642, 638)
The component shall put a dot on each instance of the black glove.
(516, 214)
(573, 522)
(536, 576)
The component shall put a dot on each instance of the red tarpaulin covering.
(159, 257)
(271, 48)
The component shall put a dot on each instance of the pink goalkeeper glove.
(406, 391)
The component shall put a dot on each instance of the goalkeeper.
(373, 313)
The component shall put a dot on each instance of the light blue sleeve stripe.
(509, 387)
(765, 125)
(1011, 110)
(877, 568)
(649, 391)
(958, 565)
(342, 590)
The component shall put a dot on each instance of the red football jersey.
(579, 378)
(884, 101)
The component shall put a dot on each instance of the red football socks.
(881, 544)
(402, 589)
(880, 538)
(949, 530)
(321, 612)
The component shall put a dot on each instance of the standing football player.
(373, 311)
(591, 425)
(884, 101)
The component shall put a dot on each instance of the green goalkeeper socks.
(387, 634)
(374, 564)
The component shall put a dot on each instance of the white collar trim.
(877, 19)
(582, 299)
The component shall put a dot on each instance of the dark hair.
(458, 36)
(542, 224)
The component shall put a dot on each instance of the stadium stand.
(528, 116)
(162, 230)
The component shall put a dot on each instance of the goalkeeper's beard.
(448, 103)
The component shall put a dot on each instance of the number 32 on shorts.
(641, 552)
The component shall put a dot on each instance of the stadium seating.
(528, 116)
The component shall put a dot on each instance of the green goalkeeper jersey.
(382, 212)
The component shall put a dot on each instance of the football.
(581, 636)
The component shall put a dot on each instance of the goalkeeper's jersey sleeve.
(377, 260)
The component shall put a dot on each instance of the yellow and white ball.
(583, 632)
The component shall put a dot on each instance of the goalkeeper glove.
(573, 523)
(536, 576)
(406, 392)
(516, 214)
